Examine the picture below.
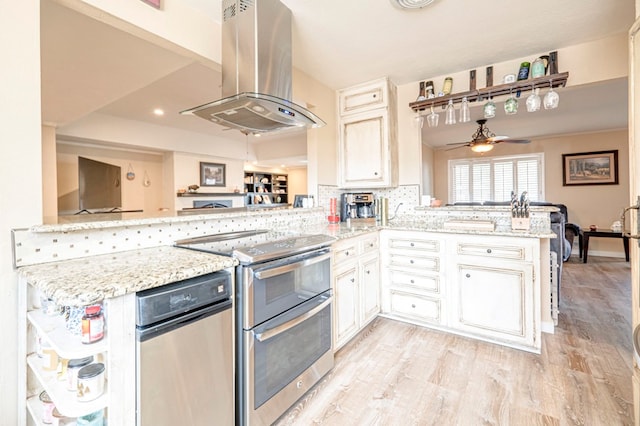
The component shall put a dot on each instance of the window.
(482, 179)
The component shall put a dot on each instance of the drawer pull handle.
(488, 250)
(468, 276)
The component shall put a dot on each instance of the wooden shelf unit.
(266, 188)
(554, 80)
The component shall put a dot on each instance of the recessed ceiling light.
(158, 111)
(411, 4)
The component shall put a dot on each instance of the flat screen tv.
(99, 185)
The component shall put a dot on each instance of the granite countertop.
(84, 281)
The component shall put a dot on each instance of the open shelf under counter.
(65, 401)
(66, 345)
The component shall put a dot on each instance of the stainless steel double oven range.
(283, 317)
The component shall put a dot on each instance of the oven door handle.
(264, 336)
(272, 272)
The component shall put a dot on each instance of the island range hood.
(256, 71)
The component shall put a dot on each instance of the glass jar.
(90, 382)
(73, 367)
(511, 106)
(93, 419)
(92, 324)
(47, 408)
(537, 68)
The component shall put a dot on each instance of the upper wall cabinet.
(367, 141)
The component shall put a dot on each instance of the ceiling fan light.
(411, 4)
(481, 147)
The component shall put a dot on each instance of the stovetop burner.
(256, 245)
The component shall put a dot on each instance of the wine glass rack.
(553, 80)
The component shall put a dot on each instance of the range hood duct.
(256, 71)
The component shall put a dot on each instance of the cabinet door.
(494, 300)
(345, 301)
(364, 155)
(364, 97)
(369, 289)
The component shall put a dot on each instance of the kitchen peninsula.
(440, 268)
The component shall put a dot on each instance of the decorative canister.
(73, 367)
(47, 407)
(49, 356)
(60, 420)
(90, 382)
(93, 419)
(73, 319)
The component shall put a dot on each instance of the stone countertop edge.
(158, 220)
(484, 208)
(88, 280)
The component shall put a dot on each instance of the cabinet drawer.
(364, 97)
(425, 245)
(420, 282)
(418, 262)
(488, 250)
(345, 253)
(369, 244)
(418, 307)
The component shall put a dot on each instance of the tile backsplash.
(403, 197)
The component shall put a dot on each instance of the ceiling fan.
(483, 139)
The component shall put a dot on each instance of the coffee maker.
(357, 205)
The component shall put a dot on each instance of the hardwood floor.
(395, 373)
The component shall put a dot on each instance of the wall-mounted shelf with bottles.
(553, 80)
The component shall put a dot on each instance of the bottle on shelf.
(523, 73)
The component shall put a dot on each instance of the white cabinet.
(486, 287)
(413, 283)
(356, 286)
(492, 286)
(367, 148)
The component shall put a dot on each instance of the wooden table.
(586, 234)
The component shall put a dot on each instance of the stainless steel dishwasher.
(184, 351)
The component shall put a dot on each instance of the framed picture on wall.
(212, 174)
(590, 168)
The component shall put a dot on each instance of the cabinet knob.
(375, 173)
(412, 245)
(346, 253)
(488, 250)
(368, 271)
(413, 305)
(353, 280)
(412, 281)
(411, 261)
(468, 276)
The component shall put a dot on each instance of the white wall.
(20, 174)
(135, 195)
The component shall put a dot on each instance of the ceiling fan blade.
(497, 138)
(459, 143)
(456, 147)
(514, 141)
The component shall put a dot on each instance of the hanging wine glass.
(450, 113)
(533, 101)
(511, 104)
(433, 118)
(489, 108)
(551, 99)
(465, 113)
